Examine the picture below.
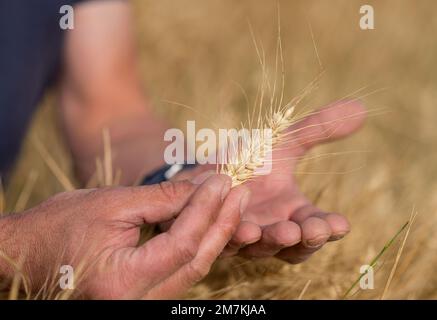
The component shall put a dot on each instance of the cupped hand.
(280, 221)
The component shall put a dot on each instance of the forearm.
(135, 134)
(101, 89)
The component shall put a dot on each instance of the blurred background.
(201, 53)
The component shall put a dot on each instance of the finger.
(339, 228)
(208, 199)
(167, 252)
(274, 238)
(247, 233)
(197, 179)
(339, 225)
(315, 233)
(333, 122)
(315, 230)
(154, 203)
(210, 248)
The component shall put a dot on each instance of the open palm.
(280, 221)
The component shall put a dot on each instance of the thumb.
(333, 122)
(160, 202)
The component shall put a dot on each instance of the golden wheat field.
(201, 53)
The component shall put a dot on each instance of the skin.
(280, 221)
(101, 88)
(80, 229)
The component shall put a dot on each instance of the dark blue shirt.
(30, 54)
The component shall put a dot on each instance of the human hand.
(100, 228)
(280, 221)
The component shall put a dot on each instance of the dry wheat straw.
(54, 167)
(26, 192)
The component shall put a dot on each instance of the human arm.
(101, 89)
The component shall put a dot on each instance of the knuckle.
(167, 189)
(186, 250)
(170, 190)
(213, 190)
(229, 226)
(197, 271)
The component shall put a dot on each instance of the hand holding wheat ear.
(100, 243)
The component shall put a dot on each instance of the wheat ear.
(252, 156)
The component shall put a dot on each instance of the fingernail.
(244, 201)
(337, 236)
(201, 178)
(316, 242)
(226, 189)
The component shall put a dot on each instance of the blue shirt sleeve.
(31, 41)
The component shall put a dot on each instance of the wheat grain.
(253, 154)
